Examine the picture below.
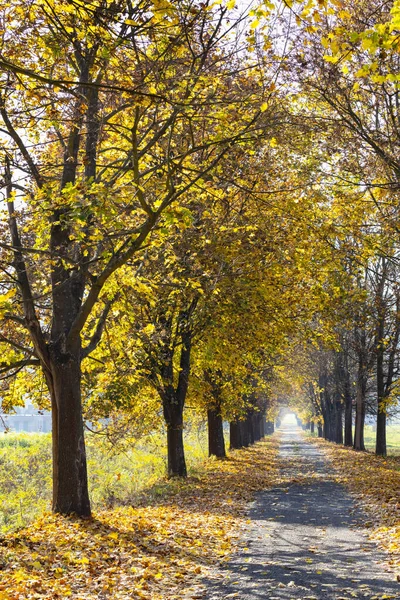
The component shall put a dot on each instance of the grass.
(115, 478)
(392, 439)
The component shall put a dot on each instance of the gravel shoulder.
(303, 539)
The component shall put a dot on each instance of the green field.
(114, 477)
(392, 438)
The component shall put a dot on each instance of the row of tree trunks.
(249, 430)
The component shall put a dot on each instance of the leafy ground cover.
(160, 548)
(375, 481)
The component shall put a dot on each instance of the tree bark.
(70, 489)
(339, 423)
(245, 434)
(348, 405)
(380, 448)
(250, 428)
(173, 414)
(269, 427)
(176, 452)
(174, 402)
(235, 435)
(360, 399)
(216, 442)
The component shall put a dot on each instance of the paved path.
(301, 541)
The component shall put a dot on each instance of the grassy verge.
(375, 481)
(158, 550)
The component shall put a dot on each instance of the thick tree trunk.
(70, 491)
(250, 428)
(174, 401)
(235, 435)
(173, 414)
(256, 426)
(176, 453)
(216, 442)
(380, 448)
(245, 434)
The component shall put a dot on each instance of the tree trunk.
(250, 428)
(176, 453)
(270, 427)
(380, 448)
(245, 434)
(256, 426)
(261, 422)
(362, 380)
(348, 405)
(70, 491)
(360, 408)
(235, 435)
(216, 442)
(312, 427)
(327, 425)
(173, 414)
(320, 430)
(174, 402)
(339, 423)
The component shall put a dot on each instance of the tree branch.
(96, 337)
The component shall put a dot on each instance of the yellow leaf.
(331, 59)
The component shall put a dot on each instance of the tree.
(117, 111)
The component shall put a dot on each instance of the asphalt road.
(302, 540)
